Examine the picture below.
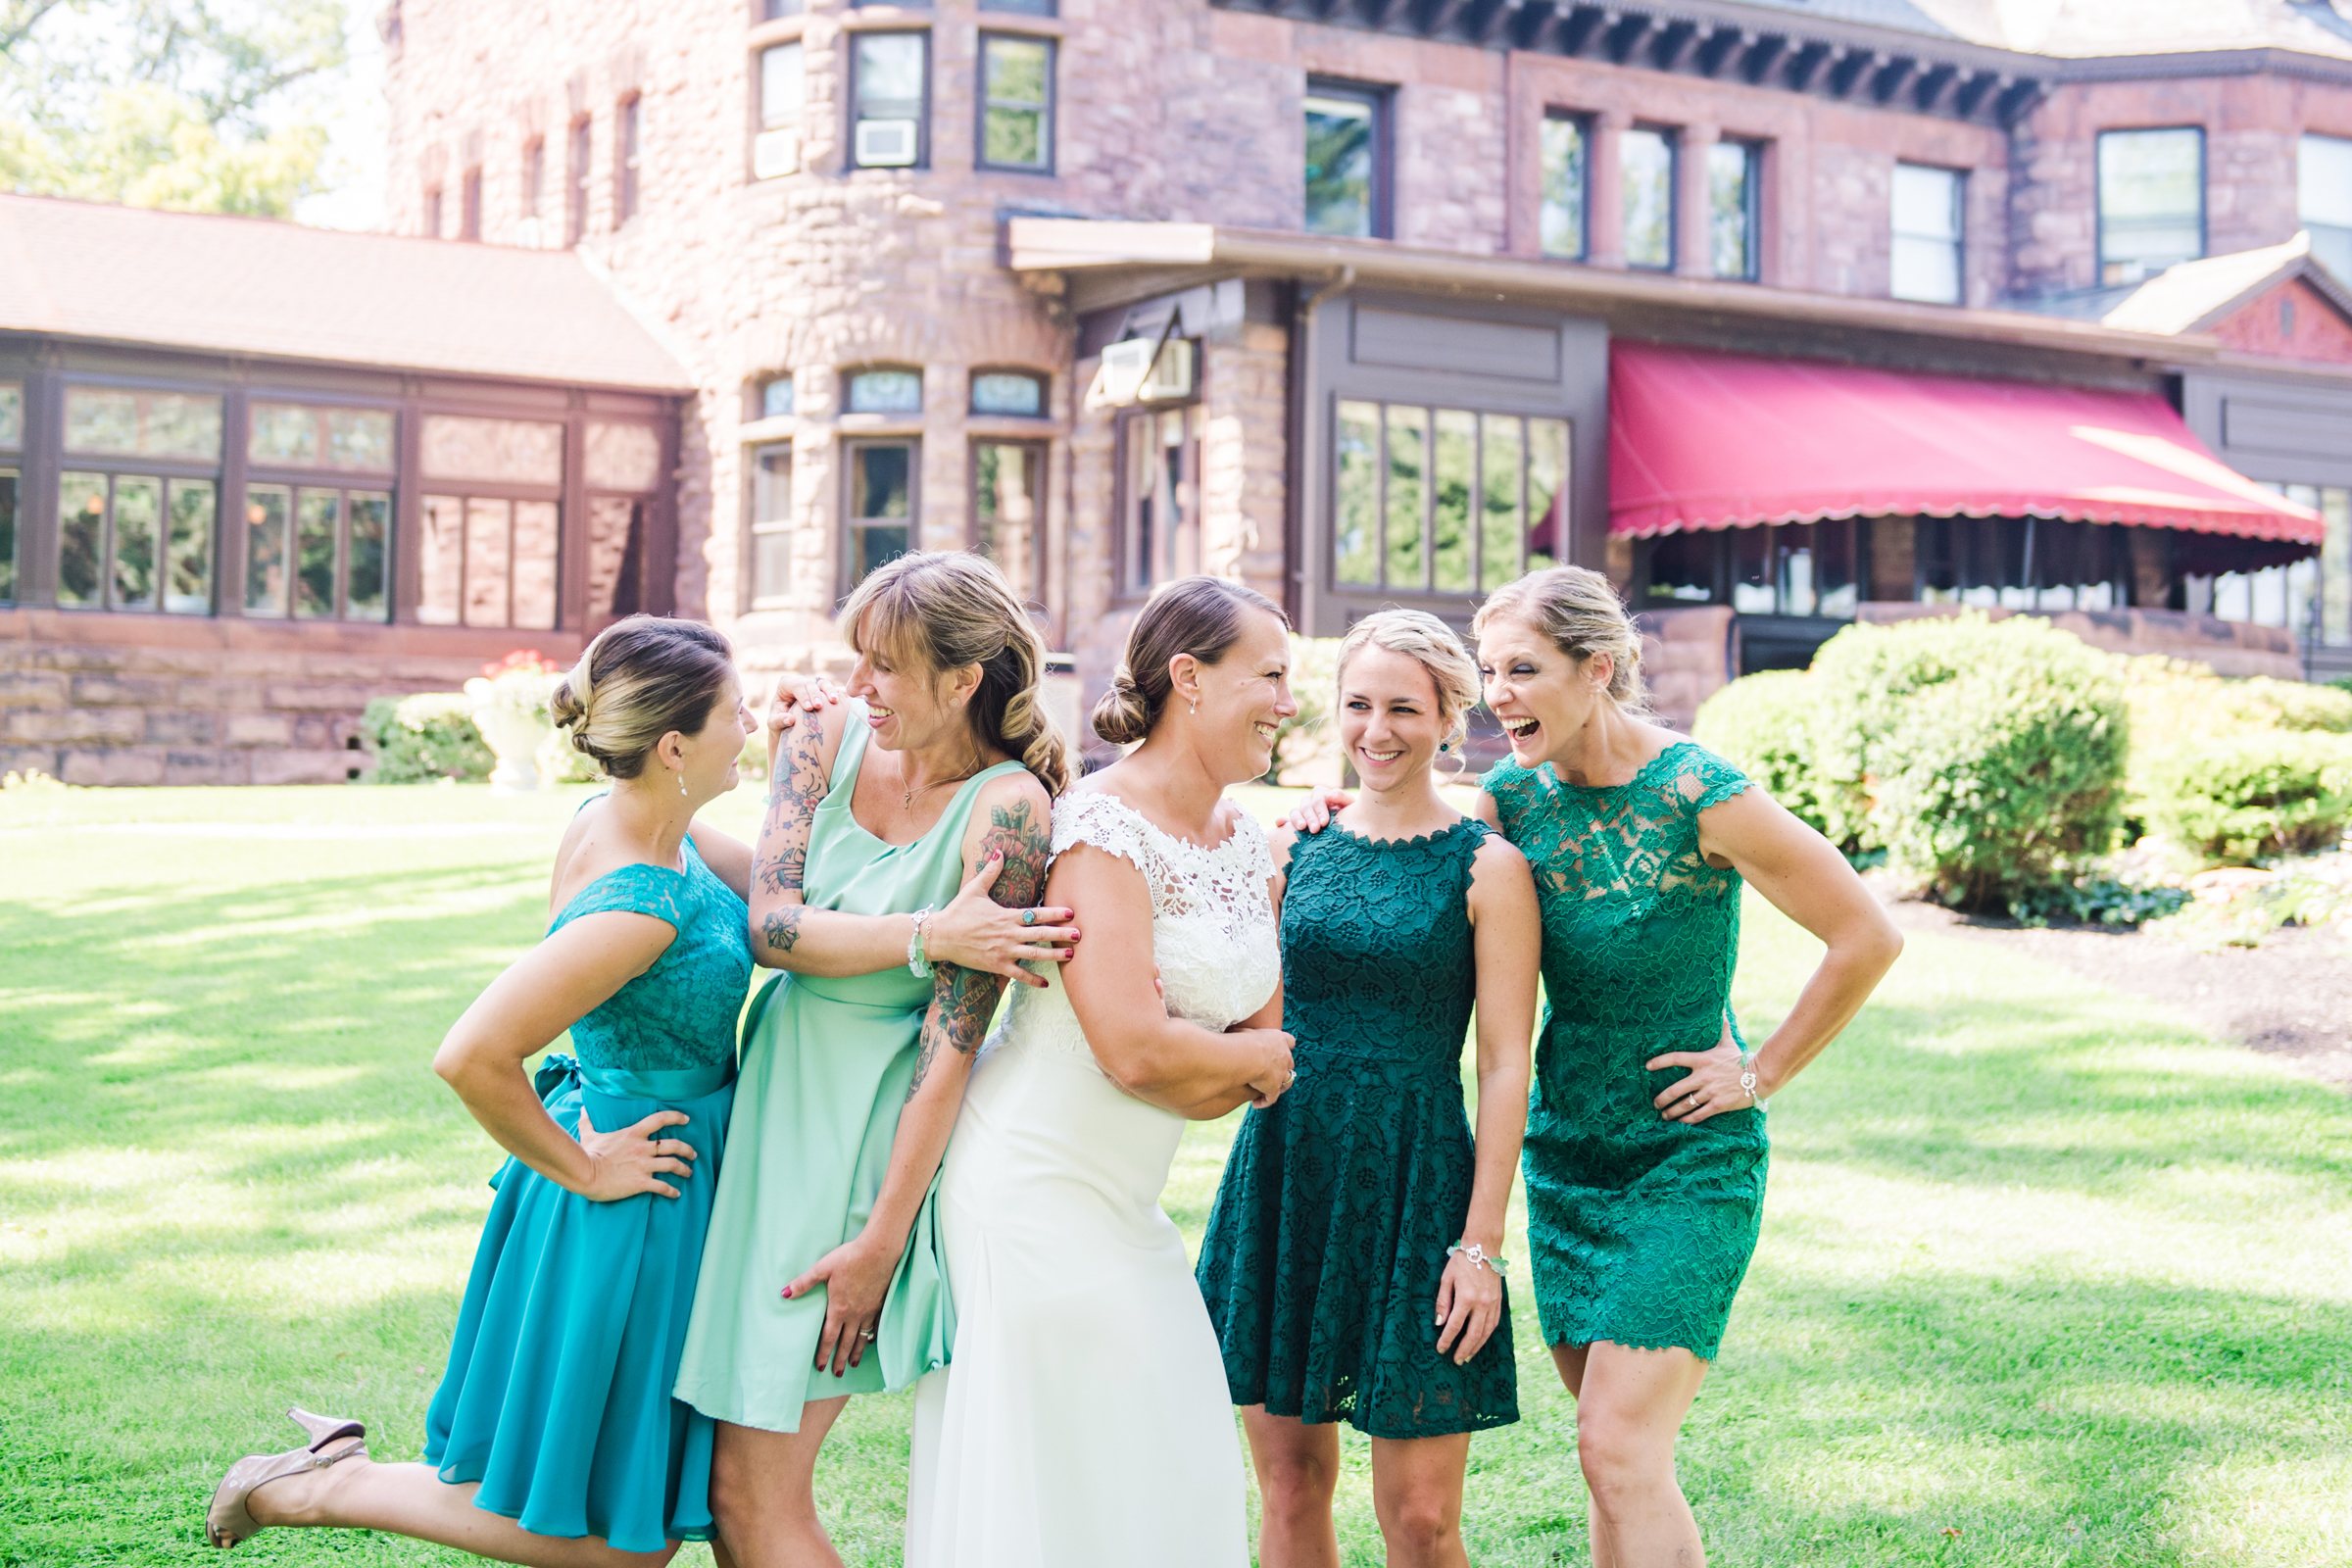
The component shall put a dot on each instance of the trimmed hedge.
(2242, 798)
(1765, 723)
(420, 739)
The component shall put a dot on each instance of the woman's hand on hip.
(634, 1159)
(856, 1276)
(1713, 1085)
(1469, 1306)
(973, 931)
(1313, 813)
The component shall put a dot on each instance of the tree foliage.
(192, 104)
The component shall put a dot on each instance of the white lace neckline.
(1243, 822)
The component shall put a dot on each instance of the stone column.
(1604, 190)
(1692, 253)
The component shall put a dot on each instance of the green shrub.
(426, 737)
(1986, 756)
(1765, 723)
(2247, 796)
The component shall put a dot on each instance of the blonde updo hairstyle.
(941, 609)
(1581, 614)
(639, 680)
(1202, 616)
(1424, 638)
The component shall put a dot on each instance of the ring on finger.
(1028, 917)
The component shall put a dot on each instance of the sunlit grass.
(2047, 1278)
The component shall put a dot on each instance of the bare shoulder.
(1010, 806)
(1500, 855)
(587, 852)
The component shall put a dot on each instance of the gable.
(2292, 321)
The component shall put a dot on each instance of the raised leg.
(763, 1492)
(1417, 1495)
(1298, 1470)
(413, 1500)
(1629, 1406)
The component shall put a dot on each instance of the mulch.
(2290, 997)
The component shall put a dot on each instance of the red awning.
(1701, 440)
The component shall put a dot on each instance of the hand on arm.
(1809, 881)
(541, 994)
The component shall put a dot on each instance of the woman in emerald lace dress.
(1645, 1148)
(1351, 1265)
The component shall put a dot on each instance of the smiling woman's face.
(1390, 720)
(905, 705)
(1244, 699)
(1542, 696)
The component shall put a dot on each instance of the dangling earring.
(683, 781)
(1194, 707)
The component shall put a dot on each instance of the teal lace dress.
(1328, 1238)
(1640, 1229)
(556, 1394)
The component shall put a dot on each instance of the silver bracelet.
(1477, 1255)
(1747, 1077)
(916, 963)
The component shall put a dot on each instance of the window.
(1799, 568)
(2323, 186)
(469, 206)
(1018, 394)
(1346, 160)
(487, 553)
(2151, 201)
(1159, 466)
(139, 540)
(623, 465)
(882, 505)
(1445, 499)
(535, 177)
(783, 93)
(627, 145)
(575, 195)
(1926, 260)
(297, 435)
(1027, 7)
(890, 87)
(777, 399)
(772, 525)
(12, 437)
(1016, 102)
(432, 212)
(1735, 209)
(1646, 169)
(1008, 512)
(320, 555)
(2019, 563)
(1560, 221)
(886, 392)
(623, 457)
(773, 10)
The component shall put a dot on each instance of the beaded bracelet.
(917, 964)
(1478, 1255)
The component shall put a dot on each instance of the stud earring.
(1444, 745)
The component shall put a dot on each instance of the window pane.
(886, 392)
(772, 524)
(316, 513)
(138, 510)
(1005, 392)
(359, 440)
(1753, 587)
(489, 561)
(1646, 160)
(1682, 567)
(2336, 569)
(780, 8)
(1927, 270)
(1026, 7)
(881, 479)
(511, 451)
(2323, 180)
(615, 535)
(1560, 221)
(1355, 544)
(771, 567)
(625, 456)
(371, 526)
(783, 86)
(1182, 528)
(188, 578)
(1798, 591)
(101, 421)
(283, 435)
(777, 398)
(1144, 503)
(80, 537)
(1926, 202)
(1457, 464)
(878, 547)
(11, 415)
(889, 75)
(1500, 531)
(440, 561)
(771, 486)
(1547, 492)
(268, 511)
(153, 424)
(535, 535)
(1017, 71)
(2151, 201)
(1834, 567)
(1408, 439)
(1005, 504)
(1730, 197)
(178, 426)
(9, 486)
(1339, 166)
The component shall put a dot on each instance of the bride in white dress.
(1084, 1420)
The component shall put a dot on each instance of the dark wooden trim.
(228, 548)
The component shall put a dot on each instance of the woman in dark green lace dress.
(1351, 1265)
(1645, 1148)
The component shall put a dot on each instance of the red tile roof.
(250, 285)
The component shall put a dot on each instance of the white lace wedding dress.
(1084, 1422)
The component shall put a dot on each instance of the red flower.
(527, 660)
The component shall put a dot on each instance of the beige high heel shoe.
(333, 1439)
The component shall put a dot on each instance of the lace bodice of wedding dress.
(1212, 923)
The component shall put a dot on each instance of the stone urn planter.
(511, 709)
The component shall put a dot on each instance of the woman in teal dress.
(1351, 1265)
(553, 1439)
(907, 831)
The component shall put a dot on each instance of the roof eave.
(469, 372)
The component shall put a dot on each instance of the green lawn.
(2046, 1277)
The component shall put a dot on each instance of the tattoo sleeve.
(780, 861)
(963, 1000)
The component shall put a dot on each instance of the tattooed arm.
(1011, 820)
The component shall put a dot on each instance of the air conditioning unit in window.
(1171, 374)
(1142, 369)
(775, 152)
(885, 143)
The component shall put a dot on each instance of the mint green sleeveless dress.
(825, 1068)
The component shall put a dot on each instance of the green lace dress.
(1640, 1229)
(1329, 1235)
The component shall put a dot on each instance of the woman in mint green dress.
(553, 1439)
(907, 831)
